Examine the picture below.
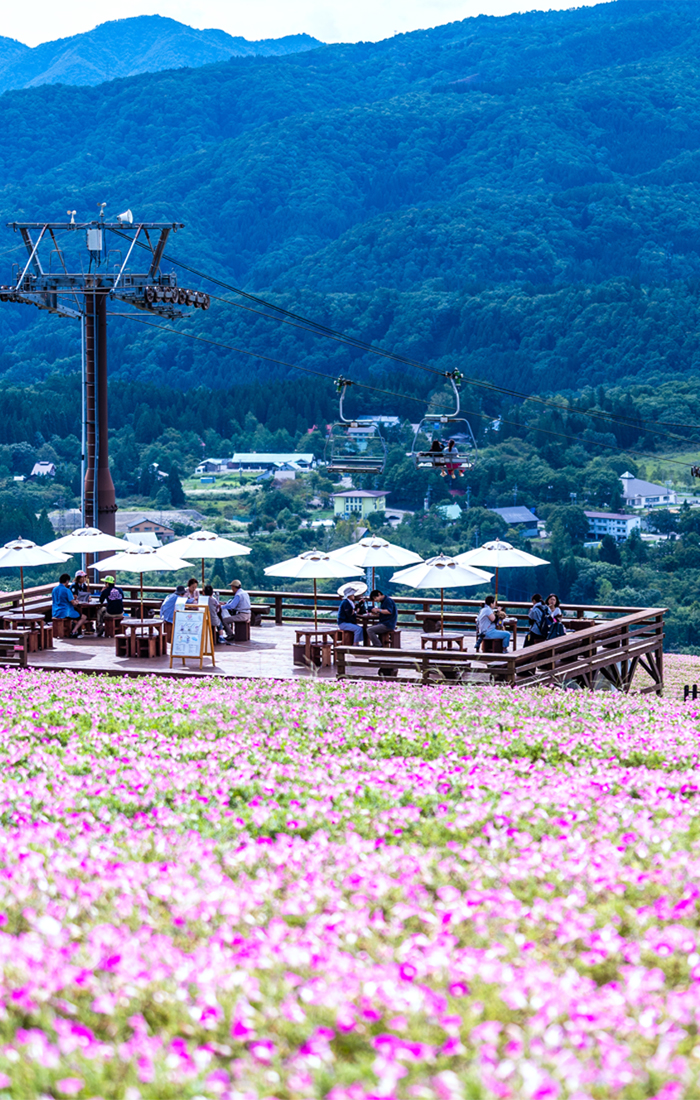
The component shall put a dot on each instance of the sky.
(328, 20)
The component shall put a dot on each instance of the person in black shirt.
(111, 604)
(386, 614)
(347, 617)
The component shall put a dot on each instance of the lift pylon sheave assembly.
(75, 276)
(354, 446)
(445, 442)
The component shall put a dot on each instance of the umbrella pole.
(315, 608)
(202, 572)
(496, 600)
(21, 583)
(141, 575)
(442, 610)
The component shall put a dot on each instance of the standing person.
(192, 591)
(111, 604)
(557, 629)
(65, 606)
(237, 610)
(540, 621)
(487, 625)
(386, 614)
(214, 612)
(347, 615)
(167, 609)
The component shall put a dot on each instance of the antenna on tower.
(102, 208)
(72, 215)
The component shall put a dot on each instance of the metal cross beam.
(97, 277)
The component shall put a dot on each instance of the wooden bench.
(14, 647)
(362, 662)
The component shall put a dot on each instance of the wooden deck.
(268, 655)
(619, 646)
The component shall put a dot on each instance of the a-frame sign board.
(192, 635)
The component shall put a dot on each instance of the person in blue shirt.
(63, 605)
(386, 612)
(347, 616)
(167, 609)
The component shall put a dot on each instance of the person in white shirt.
(486, 624)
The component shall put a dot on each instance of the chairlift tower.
(75, 269)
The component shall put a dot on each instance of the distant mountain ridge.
(127, 47)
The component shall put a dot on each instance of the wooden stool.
(492, 645)
(61, 628)
(146, 645)
(241, 630)
(391, 640)
(121, 646)
(321, 654)
(113, 626)
(347, 637)
(299, 654)
(46, 631)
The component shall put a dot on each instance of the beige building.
(359, 502)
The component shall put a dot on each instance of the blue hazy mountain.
(127, 47)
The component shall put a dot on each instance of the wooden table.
(442, 641)
(40, 633)
(323, 638)
(141, 638)
(580, 624)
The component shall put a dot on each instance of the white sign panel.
(187, 634)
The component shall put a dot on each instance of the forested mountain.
(515, 196)
(125, 47)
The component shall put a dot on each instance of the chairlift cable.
(306, 324)
(387, 393)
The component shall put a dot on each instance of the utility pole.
(76, 270)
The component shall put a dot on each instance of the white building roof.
(611, 515)
(265, 459)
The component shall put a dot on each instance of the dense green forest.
(517, 197)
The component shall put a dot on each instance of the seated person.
(214, 610)
(452, 461)
(236, 610)
(540, 621)
(111, 604)
(386, 613)
(80, 587)
(65, 606)
(192, 591)
(347, 615)
(487, 624)
(167, 609)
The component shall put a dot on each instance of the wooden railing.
(615, 650)
(290, 606)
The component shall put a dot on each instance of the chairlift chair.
(354, 446)
(433, 435)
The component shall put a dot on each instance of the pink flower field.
(241, 890)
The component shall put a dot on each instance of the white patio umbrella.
(313, 565)
(23, 554)
(141, 559)
(373, 553)
(86, 540)
(499, 555)
(205, 544)
(441, 572)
